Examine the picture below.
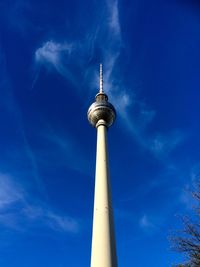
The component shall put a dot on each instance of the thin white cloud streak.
(145, 222)
(17, 211)
(150, 224)
(9, 193)
(111, 53)
(163, 145)
(65, 58)
(64, 223)
(16, 207)
(53, 54)
(160, 145)
(45, 216)
(122, 98)
(11, 107)
(114, 17)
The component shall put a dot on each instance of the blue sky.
(50, 53)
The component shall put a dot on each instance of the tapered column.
(101, 114)
(103, 239)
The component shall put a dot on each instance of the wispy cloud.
(114, 17)
(54, 55)
(48, 218)
(149, 224)
(126, 100)
(134, 112)
(58, 222)
(51, 52)
(111, 50)
(163, 144)
(145, 222)
(10, 193)
(19, 212)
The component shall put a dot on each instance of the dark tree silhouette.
(188, 241)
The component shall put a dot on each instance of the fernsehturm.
(101, 115)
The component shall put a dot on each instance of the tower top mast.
(101, 80)
(101, 109)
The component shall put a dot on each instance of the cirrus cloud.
(18, 211)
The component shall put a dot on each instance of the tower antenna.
(101, 80)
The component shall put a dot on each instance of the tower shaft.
(103, 239)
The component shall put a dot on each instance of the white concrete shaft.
(103, 238)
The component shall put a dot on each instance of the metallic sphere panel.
(101, 111)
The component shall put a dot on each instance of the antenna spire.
(101, 80)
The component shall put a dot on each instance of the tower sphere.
(101, 109)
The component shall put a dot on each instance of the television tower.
(101, 114)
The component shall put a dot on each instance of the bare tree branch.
(188, 241)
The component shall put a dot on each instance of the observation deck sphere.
(101, 109)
